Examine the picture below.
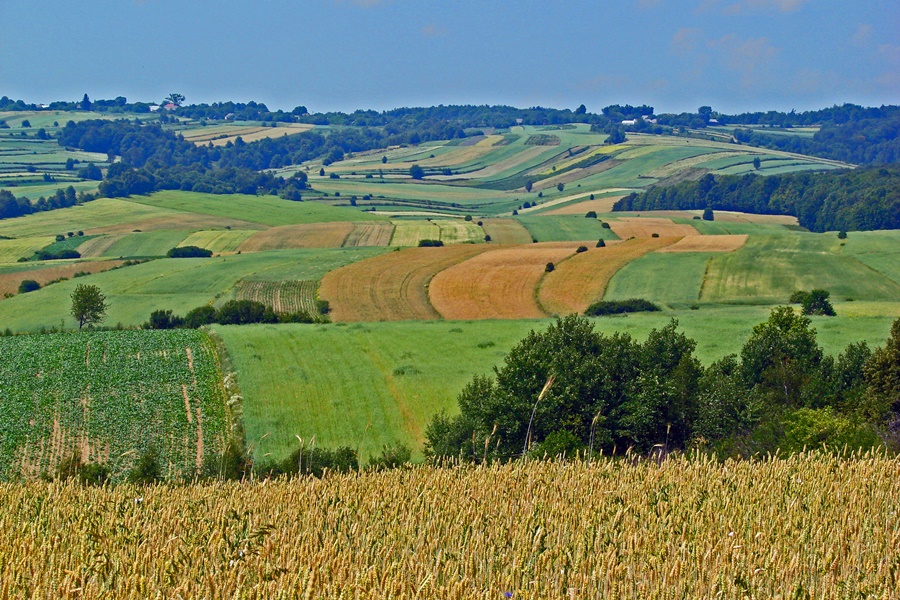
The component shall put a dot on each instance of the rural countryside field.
(405, 361)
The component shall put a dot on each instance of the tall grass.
(810, 526)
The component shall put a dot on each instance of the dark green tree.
(708, 214)
(85, 103)
(416, 172)
(816, 303)
(88, 305)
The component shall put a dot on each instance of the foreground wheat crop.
(805, 527)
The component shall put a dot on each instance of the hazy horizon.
(344, 55)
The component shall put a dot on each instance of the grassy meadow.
(371, 384)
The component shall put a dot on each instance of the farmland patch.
(499, 284)
(309, 235)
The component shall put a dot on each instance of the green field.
(178, 284)
(367, 385)
(768, 268)
(671, 277)
(565, 228)
(149, 243)
(265, 210)
(111, 395)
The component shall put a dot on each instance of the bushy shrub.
(591, 214)
(28, 285)
(189, 252)
(430, 243)
(202, 315)
(615, 307)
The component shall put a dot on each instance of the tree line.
(572, 390)
(847, 200)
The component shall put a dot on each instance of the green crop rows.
(110, 395)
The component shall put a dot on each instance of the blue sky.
(735, 55)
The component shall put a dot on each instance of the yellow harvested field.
(221, 135)
(506, 231)
(684, 528)
(600, 205)
(392, 286)
(582, 279)
(499, 284)
(186, 220)
(370, 234)
(9, 282)
(641, 227)
(707, 243)
(307, 235)
(219, 241)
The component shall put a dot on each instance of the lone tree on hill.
(708, 214)
(416, 172)
(88, 305)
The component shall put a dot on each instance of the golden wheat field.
(810, 526)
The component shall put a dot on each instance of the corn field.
(809, 526)
(109, 396)
(281, 296)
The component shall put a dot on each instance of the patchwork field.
(583, 278)
(110, 396)
(393, 286)
(218, 241)
(499, 284)
(662, 277)
(309, 235)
